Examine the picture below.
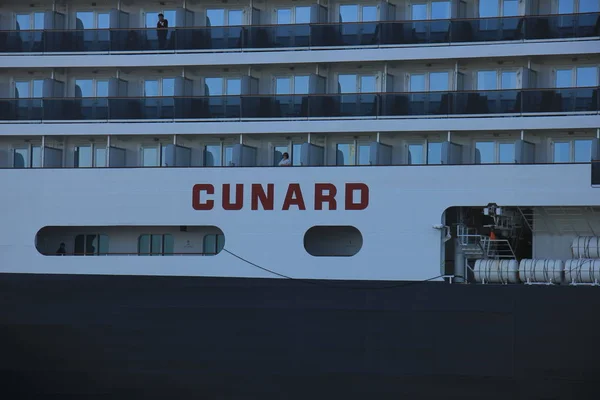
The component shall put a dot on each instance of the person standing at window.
(162, 29)
(285, 160)
(61, 250)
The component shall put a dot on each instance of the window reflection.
(440, 10)
(587, 76)
(348, 13)
(212, 155)
(100, 157)
(150, 157)
(438, 81)
(36, 156)
(364, 154)
(564, 78)
(21, 158)
(486, 80)
(83, 156)
(417, 83)
(509, 80)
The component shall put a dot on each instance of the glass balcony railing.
(562, 26)
(365, 105)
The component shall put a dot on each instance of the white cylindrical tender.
(496, 271)
(535, 271)
(582, 271)
(586, 247)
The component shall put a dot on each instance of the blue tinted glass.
(301, 84)
(434, 153)
(168, 87)
(506, 153)
(296, 153)
(587, 76)
(367, 84)
(345, 154)
(210, 244)
(20, 158)
(586, 6)
(417, 83)
(489, 8)
(21, 90)
(38, 20)
(511, 8)
(151, 19)
(485, 152)
(150, 157)
(486, 80)
(364, 154)
(438, 81)
(38, 88)
(234, 87)
(84, 156)
(347, 83)
(583, 150)
(216, 17)
(169, 16)
(415, 154)
(278, 154)
(566, 6)
(564, 78)
(214, 86)
(36, 156)
(284, 16)
(102, 89)
(418, 12)
(509, 80)
(212, 155)
(440, 9)
(562, 152)
(235, 18)
(86, 19)
(23, 22)
(84, 88)
(348, 13)
(228, 150)
(100, 157)
(150, 88)
(302, 15)
(103, 21)
(282, 86)
(369, 13)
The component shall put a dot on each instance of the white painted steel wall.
(399, 242)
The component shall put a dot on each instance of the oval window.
(333, 241)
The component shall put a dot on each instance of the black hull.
(96, 337)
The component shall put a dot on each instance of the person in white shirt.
(285, 161)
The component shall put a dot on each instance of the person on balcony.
(162, 29)
(285, 161)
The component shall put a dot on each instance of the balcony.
(329, 106)
(322, 35)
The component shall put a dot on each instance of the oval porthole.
(333, 241)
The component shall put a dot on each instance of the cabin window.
(155, 245)
(576, 77)
(497, 79)
(333, 241)
(357, 13)
(90, 155)
(424, 153)
(91, 245)
(32, 89)
(213, 244)
(91, 88)
(293, 15)
(285, 85)
(566, 151)
(162, 87)
(429, 82)
(352, 83)
(223, 17)
(29, 21)
(491, 152)
(353, 153)
(218, 155)
(498, 8)
(27, 157)
(293, 149)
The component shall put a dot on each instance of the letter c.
(196, 203)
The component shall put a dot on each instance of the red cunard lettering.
(364, 196)
(324, 193)
(197, 203)
(239, 197)
(293, 197)
(267, 200)
(321, 197)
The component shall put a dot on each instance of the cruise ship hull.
(91, 336)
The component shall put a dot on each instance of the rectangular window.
(83, 156)
(506, 153)
(429, 82)
(485, 152)
(354, 153)
(582, 150)
(217, 155)
(434, 153)
(352, 83)
(155, 245)
(21, 158)
(100, 157)
(29, 89)
(150, 157)
(222, 17)
(91, 245)
(562, 152)
(415, 154)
